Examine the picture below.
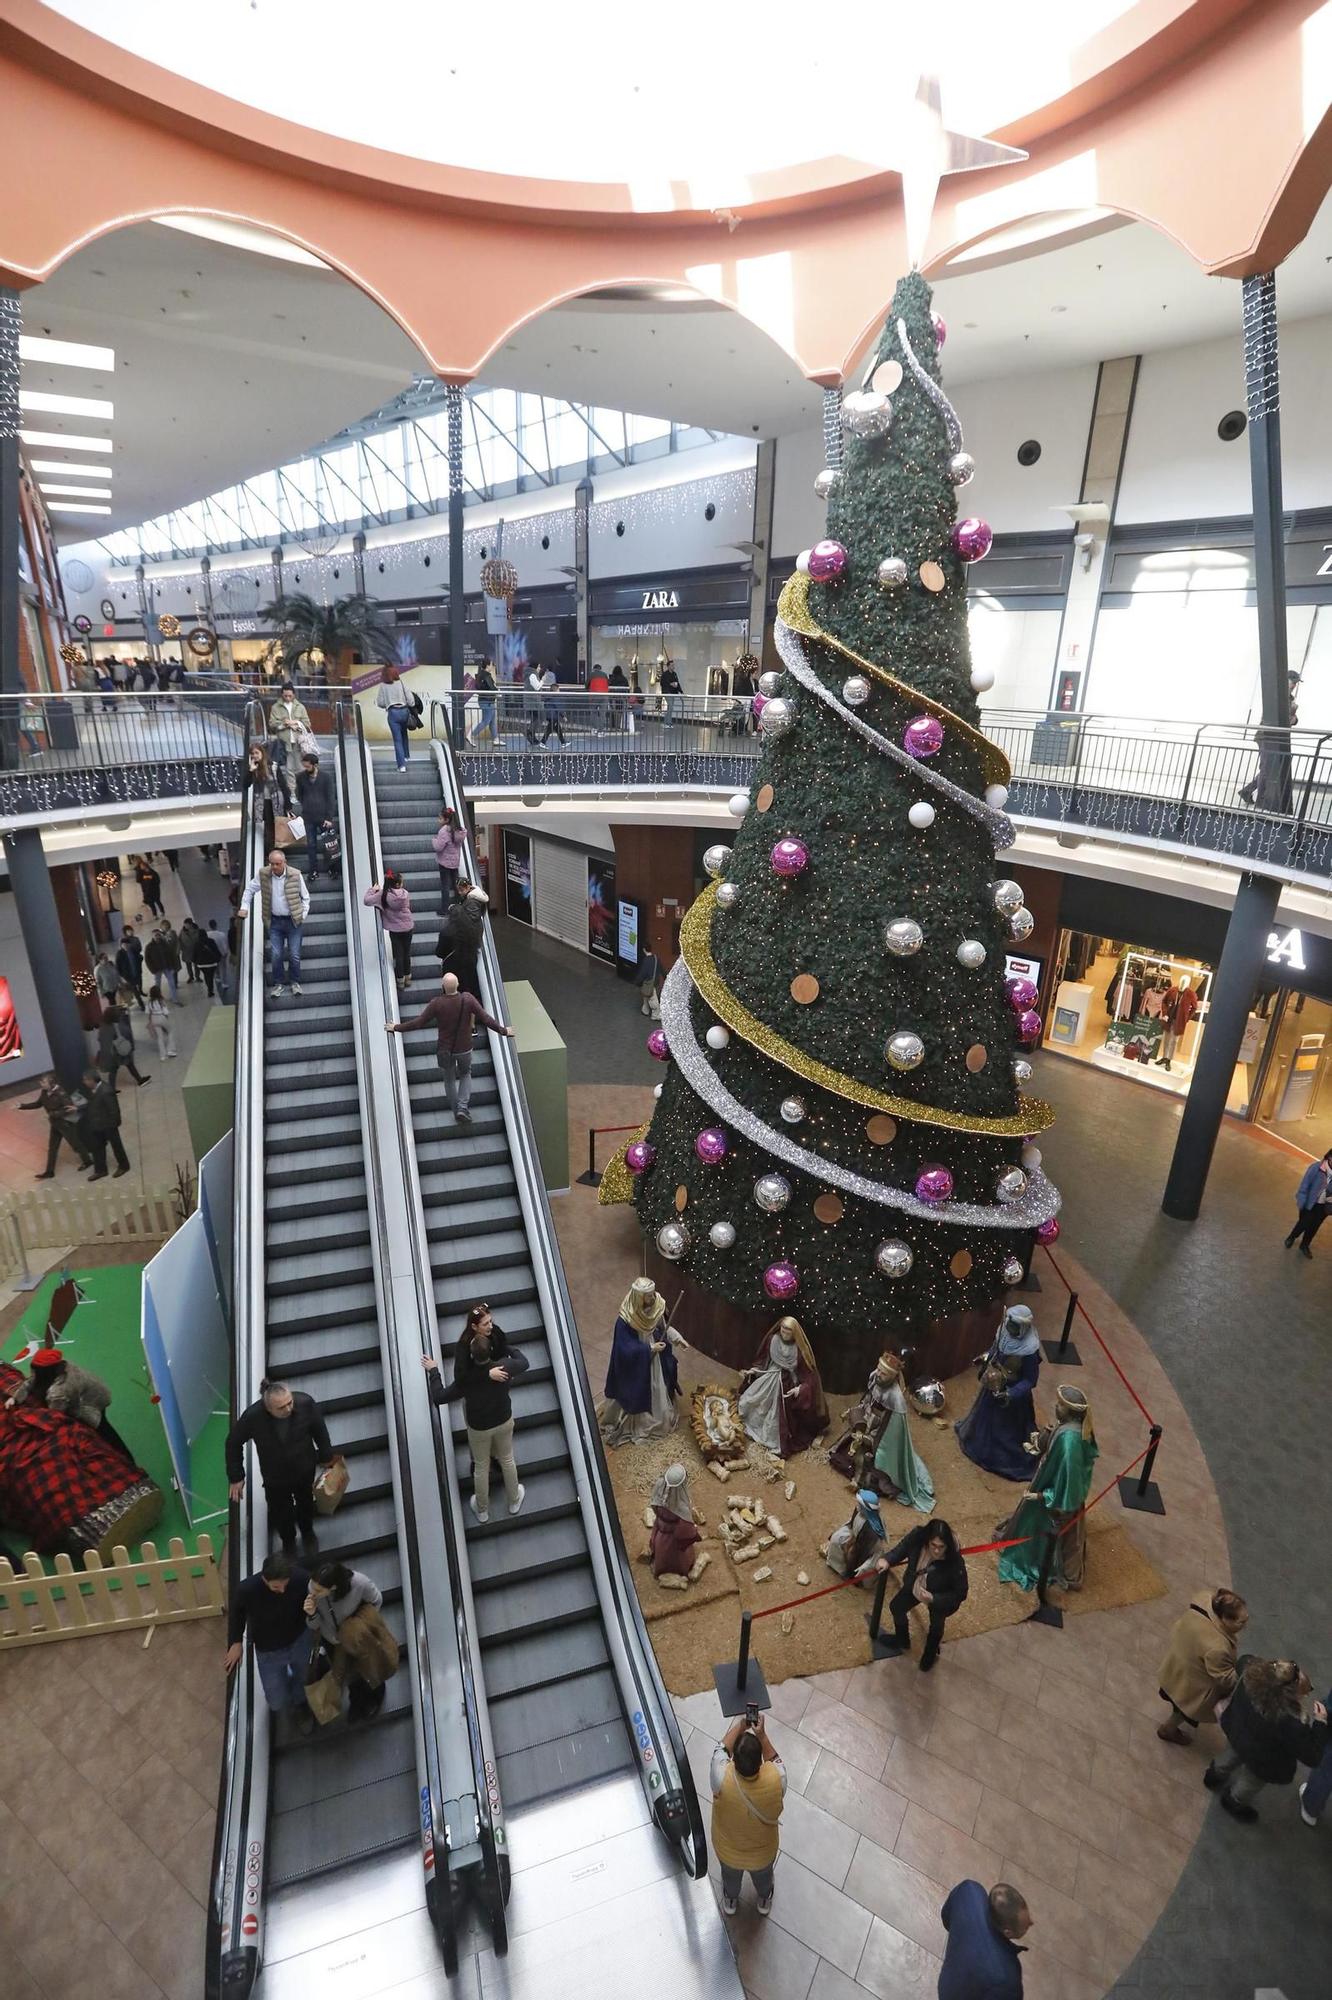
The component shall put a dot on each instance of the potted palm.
(323, 635)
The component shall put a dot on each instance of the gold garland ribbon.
(793, 609)
(1033, 1114)
(617, 1183)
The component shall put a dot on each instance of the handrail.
(648, 1712)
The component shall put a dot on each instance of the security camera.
(1084, 540)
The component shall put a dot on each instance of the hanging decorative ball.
(893, 572)
(738, 804)
(1011, 1185)
(717, 1037)
(656, 1090)
(827, 561)
(711, 1145)
(728, 895)
(923, 736)
(639, 1156)
(940, 325)
(867, 413)
(770, 683)
(792, 1110)
(971, 953)
(772, 1192)
(905, 1050)
(1020, 994)
(996, 796)
(781, 1281)
(802, 561)
(982, 679)
(673, 1241)
(1012, 1271)
(1021, 925)
(921, 814)
(1029, 1026)
(1021, 1070)
(855, 690)
(1006, 896)
(825, 482)
(789, 857)
(1048, 1231)
(1031, 1158)
(961, 468)
(903, 937)
(717, 858)
(934, 1183)
(722, 1236)
(893, 1258)
(658, 1047)
(971, 538)
(776, 717)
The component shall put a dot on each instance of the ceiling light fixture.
(77, 492)
(65, 406)
(58, 441)
(65, 353)
(68, 507)
(70, 471)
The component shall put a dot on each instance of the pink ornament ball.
(934, 1184)
(1029, 1026)
(781, 1281)
(827, 561)
(789, 857)
(639, 1156)
(1048, 1231)
(710, 1145)
(658, 1047)
(940, 325)
(757, 705)
(972, 538)
(1021, 994)
(923, 736)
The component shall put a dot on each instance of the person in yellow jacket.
(748, 1787)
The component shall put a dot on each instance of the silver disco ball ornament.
(1006, 896)
(825, 482)
(855, 690)
(792, 1110)
(893, 1259)
(1012, 1273)
(971, 953)
(903, 937)
(905, 1050)
(928, 1399)
(728, 895)
(777, 717)
(892, 572)
(722, 1236)
(717, 1036)
(717, 859)
(1011, 1185)
(770, 683)
(1021, 924)
(772, 1192)
(867, 413)
(1021, 1070)
(961, 468)
(673, 1241)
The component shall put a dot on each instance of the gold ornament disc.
(932, 576)
(829, 1208)
(681, 1199)
(763, 802)
(977, 1057)
(880, 1130)
(960, 1263)
(804, 989)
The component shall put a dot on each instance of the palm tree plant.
(348, 624)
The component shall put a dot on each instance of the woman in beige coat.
(1199, 1667)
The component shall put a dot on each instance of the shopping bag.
(323, 1690)
(306, 744)
(282, 833)
(331, 1482)
(296, 826)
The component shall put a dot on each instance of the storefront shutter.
(559, 882)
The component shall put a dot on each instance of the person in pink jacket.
(394, 903)
(448, 846)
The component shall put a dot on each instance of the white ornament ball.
(770, 683)
(971, 953)
(1021, 1070)
(673, 1241)
(1006, 896)
(921, 814)
(1021, 924)
(867, 413)
(1031, 1158)
(893, 572)
(996, 796)
(802, 561)
(656, 1090)
(792, 1110)
(722, 1235)
(905, 1050)
(777, 717)
(982, 679)
(1012, 1184)
(961, 468)
(826, 480)
(855, 690)
(772, 1192)
(903, 937)
(893, 1259)
(1012, 1270)
(738, 804)
(717, 859)
(728, 895)
(717, 1036)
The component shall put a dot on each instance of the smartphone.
(751, 1715)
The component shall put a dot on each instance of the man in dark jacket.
(462, 934)
(63, 1112)
(162, 957)
(983, 1959)
(208, 955)
(1268, 1736)
(314, 795)
(483, 1366)
(99, 1126)
(129, 964)
(288, 1431)
(271, 1607)
(451, 1015)
(935, 1577)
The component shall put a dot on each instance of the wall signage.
(1286, 948)
(661, 600)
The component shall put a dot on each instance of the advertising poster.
(11, 1041)
(518, 876)
(626, 947)
(601, 912)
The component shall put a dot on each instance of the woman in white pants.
(159, 1020)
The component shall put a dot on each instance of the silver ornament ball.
(893, 1259)
(982, 680)
(728, 895)
(718, 1037)
(921, 814)
(892, 572)
(1021, 1070)
(867, 413)
(673, 1241)
(929, 1398)
(825, 482)
(1006, 896)
(961, 468)
(1011, 1185)
(1012, 1273)
(777, 717)
(996, 796)
(716, 859)
(722, 1235)
(905, 1050)
(770, 683)
(738, 804)
(656, 1090)
(1021, 924)
(855, 690)
(772, 1192)
(971, 953)
(903, 937)
(792, 1110)
(1031, 1158)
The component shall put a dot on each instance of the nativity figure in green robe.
(1053, 1501)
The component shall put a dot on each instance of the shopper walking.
(268, 795)
(115, 1046)
(222, 946)
(672, 692)
(1317, 1789)
(208, 956)
(552, 707)
(314, 796)
(290, 1437)
(105, 978)
(150, 886)
(159, 1021)
(1266, 1733)
(398, 706)
(483, 1367)
(1199, 1669)
(342, 1605)
(452, 1016)
(63, 1110)
(983, 1959)
(189, 938)
(447, 841)
(393, 901)
(1312, 1199)
(284, 902)
(288, 722)
(461, 935)
(649, 972)
(271, 1608)
(161, 955)
(935, 1578)
(129, 964)
(486, 692)
(99, 1127)
(748, 1782)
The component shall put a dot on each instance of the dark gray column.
(1242, 959)
(457, 606)
(582, 510)
(358, 563)
(39, 921)
(765, 482)
(11, 680)
(1262, 385)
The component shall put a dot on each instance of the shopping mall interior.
(790, 643)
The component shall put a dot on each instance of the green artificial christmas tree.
(843, 1103)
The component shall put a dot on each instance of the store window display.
(1130, 1009)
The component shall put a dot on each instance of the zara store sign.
(661, 600)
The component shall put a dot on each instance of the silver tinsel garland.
(832, 428)
(931, 389)
(1262, 375)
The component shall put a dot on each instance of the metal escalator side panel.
(663, 1767)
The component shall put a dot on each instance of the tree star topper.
(922, 150)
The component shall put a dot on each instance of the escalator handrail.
(653, 1702)
(484, 1780)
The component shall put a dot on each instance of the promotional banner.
(518, 876)
(601, 913)
(628, 927)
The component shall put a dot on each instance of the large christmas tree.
(842, 1129)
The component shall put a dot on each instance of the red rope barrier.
(1100, 1341)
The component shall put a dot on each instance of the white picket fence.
(50, 1218)
(119, 1596)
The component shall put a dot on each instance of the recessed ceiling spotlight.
(1059, 309)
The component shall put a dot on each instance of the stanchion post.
(591, 1178)
(1028, 1282)
(1062, 1350)
(1142, 1494)
(1045, 1612)
(740, 1681)
(881, 1648)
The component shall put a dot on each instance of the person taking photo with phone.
(748, 1781)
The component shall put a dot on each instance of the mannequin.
(1177, 1010)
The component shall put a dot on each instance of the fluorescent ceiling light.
(70, 471)
(59, 442)
(68, 507)
(79, 492)
(65, 406)
(242, 237)
(65, 353)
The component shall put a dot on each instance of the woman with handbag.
(343, 1607)
(288, 722)
(115, 1046)
(268, 792)
(400, 710)
(394, 903)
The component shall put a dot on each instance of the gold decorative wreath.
(201, 642)
(72, 655)
(169, 625)
(499, 578)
